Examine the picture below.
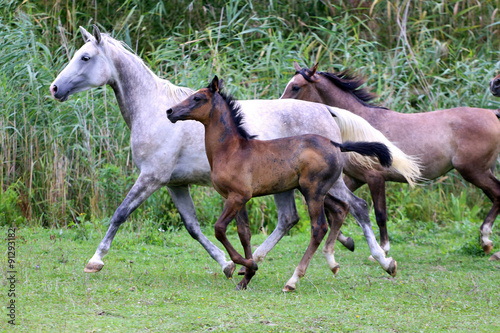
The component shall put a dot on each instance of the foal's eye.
(196, 98)
(295, 88)
(85, 58)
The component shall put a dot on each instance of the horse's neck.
(347, 101)
(141, 95)
(220, 133)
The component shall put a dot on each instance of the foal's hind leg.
(184, 203)
(336, 212)
(318, 232)
(490, 185)
(142, 189)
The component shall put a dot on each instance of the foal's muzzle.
(170, 112)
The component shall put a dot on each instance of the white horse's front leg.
(184, 203)
(142, 189)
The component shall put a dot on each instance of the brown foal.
(466, 139)
(242, 168)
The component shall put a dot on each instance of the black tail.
(375, 149)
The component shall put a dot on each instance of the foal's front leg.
(233, 205)
(184, 204)
(245, 235)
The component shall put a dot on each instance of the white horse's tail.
(355, 128)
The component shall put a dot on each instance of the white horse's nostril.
(53, 90)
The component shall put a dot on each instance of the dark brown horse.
(242, 168)
(466, 139)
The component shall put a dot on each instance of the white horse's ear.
(97, 34)
(297, 67)
(85, 34)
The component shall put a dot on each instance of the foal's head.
(198, 106)
(209, 103)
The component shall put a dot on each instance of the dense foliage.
(67, 163)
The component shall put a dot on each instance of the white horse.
(173, 155)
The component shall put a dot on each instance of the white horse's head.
(90, 67)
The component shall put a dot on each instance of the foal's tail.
(374, 149)
(355, 128)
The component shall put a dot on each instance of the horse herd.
(322, 127)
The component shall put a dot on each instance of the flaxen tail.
(355, 128)
(373, 149)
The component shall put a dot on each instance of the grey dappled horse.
(173, 155)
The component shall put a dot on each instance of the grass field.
(65, 167)
(156, 281)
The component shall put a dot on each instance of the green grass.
(164, 281)
(66, 167)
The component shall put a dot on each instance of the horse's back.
(272, 119)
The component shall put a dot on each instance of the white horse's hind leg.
(142, 189)
(287, 218)
(184, 203)
(359, 209)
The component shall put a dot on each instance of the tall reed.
(64, 163)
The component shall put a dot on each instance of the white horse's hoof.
(93, 267)
(229, 269)
(393, 268)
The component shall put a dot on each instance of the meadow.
(163, 282)
(65, 167)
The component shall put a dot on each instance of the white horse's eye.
(85, 58)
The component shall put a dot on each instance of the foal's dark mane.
(348, 82)
(236, 115)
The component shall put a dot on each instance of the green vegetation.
(63, 162)
(165, 282)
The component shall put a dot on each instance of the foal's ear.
(296, 66)
(215, 85)
(313, 69)
(97, 34)
(85, 34)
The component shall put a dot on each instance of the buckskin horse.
(463, 138)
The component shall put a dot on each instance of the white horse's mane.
(177, 93)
